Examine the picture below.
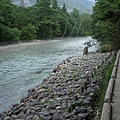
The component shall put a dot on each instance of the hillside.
(83, 5)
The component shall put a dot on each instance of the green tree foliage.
(9, 34)
(48, 24)
(81, 23)
(28, 32)
(106, 23)
(7, 31)
(45, 20)
(64, 8)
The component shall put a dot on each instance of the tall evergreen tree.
(106, 20)
(47, 22)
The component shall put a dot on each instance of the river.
(23, 67)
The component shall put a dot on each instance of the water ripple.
(23, 67)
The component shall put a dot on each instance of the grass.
(106, 77)
(74, 76)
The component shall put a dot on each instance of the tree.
(10, 34)
(45, 20)
(28, 32)
(64, 8)
(7, 31)
(6, 10)
(55, 4)
(106, 20)
(48, 26)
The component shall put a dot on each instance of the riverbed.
(24, 66)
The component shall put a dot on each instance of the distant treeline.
(45, 20)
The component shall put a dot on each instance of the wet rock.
(46, 113)
(16, 112)
(76, 117)
(68, 116)
(31, 90)
(83, 115)
(90, 109)
(48, 118)
(7, 118)
(51, 107)
(80, 110)
(30, 117)
(75, 98)
(36, 117)
(21, 116)
(68, 93)
(28, 111)
(55, 70)
(57, 117)
(14, 117)
(52, 112)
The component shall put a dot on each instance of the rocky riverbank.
(69, 93)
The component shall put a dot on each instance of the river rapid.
(24, 66)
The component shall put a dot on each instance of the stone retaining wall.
(69, 93)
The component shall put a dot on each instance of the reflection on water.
(25, 66)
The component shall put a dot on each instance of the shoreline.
(21, 43)
(28, 42)
(69, 92)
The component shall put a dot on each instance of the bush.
(9, 34)
(15, 34)
(29, 32)
(106, 48)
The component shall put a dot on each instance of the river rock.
(36, 117)
(63, 95)
(56, 116)
(83, 115)
(30, 117)
(7, 118)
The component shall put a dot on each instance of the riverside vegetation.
(44, 20)
(71, 92)
(47, 20)
(106, 24)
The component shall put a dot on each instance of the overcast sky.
(92, 0)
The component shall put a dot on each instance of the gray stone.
(14, 117)
(90, 109)
(30, 117)
(61, 91)
(7, 118)
(52, 112)
(57, 117)
(36, 117)
(28, 111)
(83, 115)
(68, 116)
(76, 117)
(21, 115)
(51, 107)
(48, 118)
(80, 110)
(46, 113)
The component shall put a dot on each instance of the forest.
(106, 24)
(44, 20)
(48, 20)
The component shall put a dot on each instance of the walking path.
(116, 96)
(111, 106)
